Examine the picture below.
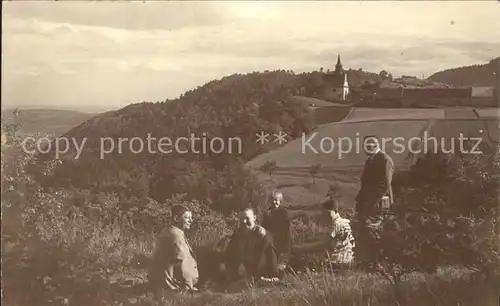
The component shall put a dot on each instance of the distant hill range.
(475, 75)
(45, 121)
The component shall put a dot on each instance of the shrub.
(443, 216)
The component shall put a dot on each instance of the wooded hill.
(475, 75)
(234, 106)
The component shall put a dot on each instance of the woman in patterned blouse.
(337, 241)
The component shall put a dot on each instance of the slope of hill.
(338, 147)
(475, 75)
(165, 158)
(148, 149)
(46, 121)
(224, 114)
(324, 111)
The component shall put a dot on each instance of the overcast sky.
(74, 54)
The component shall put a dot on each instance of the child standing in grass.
(277, 222)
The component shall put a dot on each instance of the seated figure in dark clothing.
(250, 252)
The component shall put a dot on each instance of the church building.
(337, 83)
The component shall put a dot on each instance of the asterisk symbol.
(262, 137)
(280, 137)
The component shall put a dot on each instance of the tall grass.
(78, 262)
(77, 259)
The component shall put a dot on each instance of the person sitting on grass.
(337, 241)
(174, 264)
(250, 252)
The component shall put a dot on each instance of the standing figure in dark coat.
(250, 252)
(375, 194)
(277, 222)
(374, 198)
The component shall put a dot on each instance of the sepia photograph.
(237, 153)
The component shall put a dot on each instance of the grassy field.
(347, 146)
(313, 102)
(447, 287)
(372, 114)
(324, 112)
(343, 163)
(121, 280)
(300, 191)
(85, 262)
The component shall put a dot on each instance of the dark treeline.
(475, 75)
(235, 106)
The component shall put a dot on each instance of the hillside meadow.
(70, 247)
(81, 232)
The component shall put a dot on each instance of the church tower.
(345, 88)
(342, 84)
(338, 83)
(339, 70)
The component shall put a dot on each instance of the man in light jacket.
(174, 263)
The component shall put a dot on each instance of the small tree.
(269, 167)
(314, 171)
(384, 74)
